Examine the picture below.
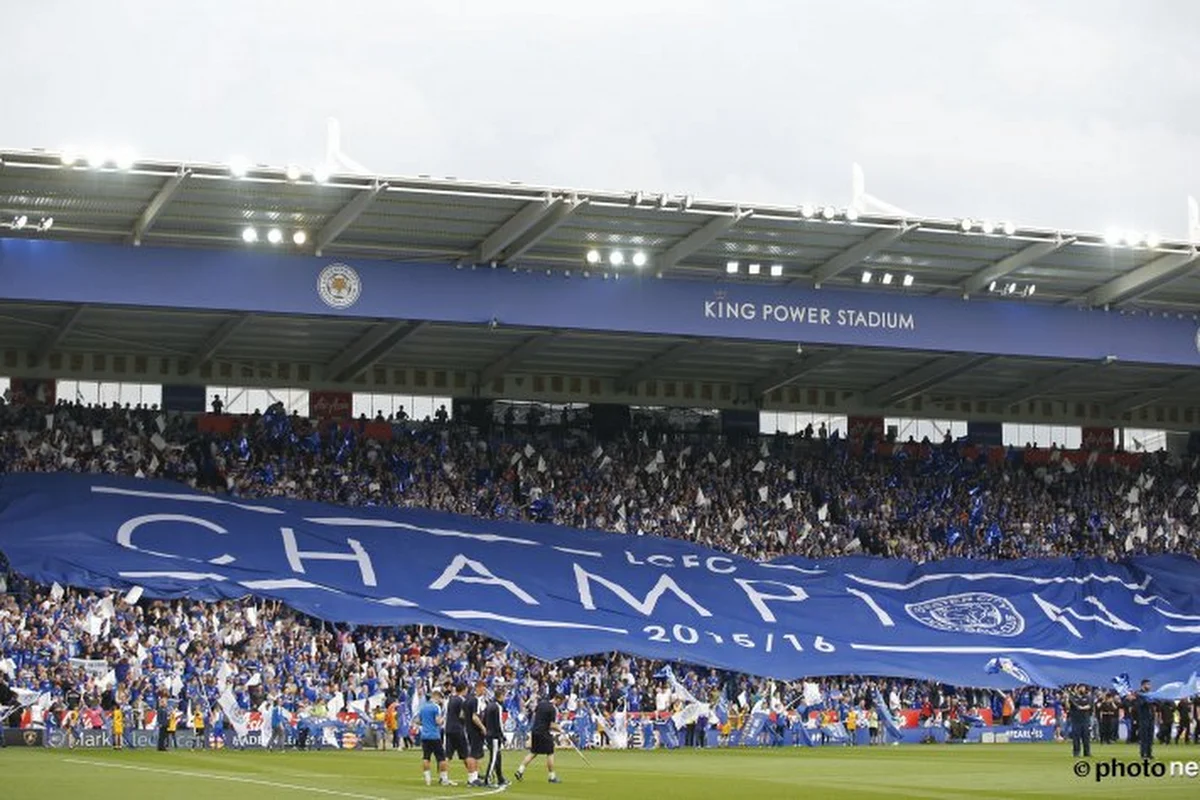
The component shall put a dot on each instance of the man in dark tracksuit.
(1081, 723)
(1144, 709)
(494, 736)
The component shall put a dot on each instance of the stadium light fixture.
(249, 235)
(887, 279)
(292, 172)
(908, 279)
(866, 276)
(1133, 238)
(46, 224)
(1010, 289)
(1112, 237)
(69, 157)
(97, 159)
(731, 267)
(239, 167)
(321, 173)
(1030, 289)
(966, 224)
(851, 214)
(274, 236)
(299, 238)
(828, 212)
(777, 270)
(593, 256)
(807, 211)
(1153, 240)
(992, 286)
(988, 227)
(754, 269)
(616, 258)
(20, 222)
(1010, 228)
(639, 259)
(124, 159)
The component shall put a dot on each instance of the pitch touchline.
(254, 781)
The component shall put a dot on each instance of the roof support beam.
(556, 216)
(856, 254)
(1041, 387)
(495, 242)
(910, 384)
(649, 368)
(1184, 383)
(527, 348)
(796, 370)
(700, 238)
(1009, 264)
(55, 336)
(216, 340)
(365, 351)
(346, 216)
(156, 205)
(1147, 276)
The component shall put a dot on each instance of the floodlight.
(299, 238)
(616, 258)
(966, 224)
(321, 173)
(776, 270)
(292, 172)
(754, 269)
(1012, 287)
(639, 259)
(1112, 237)
(851, 214)
(807, 211)
(124, 159)
(1132, 238)
(992, 286)
(593, 256)
(239, 167)
(1153, 240)
(828, 212)
(987, 226)
(887, 279)
(47, 223)
(69, 156)
(866, 276)
(731, 267)
(1032, 288)
(96, 159)
(274, 236)
(1010, 228)
(908, 279)
(20, 222)
(249, 235)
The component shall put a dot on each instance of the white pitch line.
(255, 781)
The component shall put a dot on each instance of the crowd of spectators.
(809, 495)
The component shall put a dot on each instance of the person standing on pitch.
(1143, 707)
(474, 730)
(429, 716)
(545, 725)
(494, 734)
(1080, 714)
(456, 729)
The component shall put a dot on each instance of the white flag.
(823, 512)
(255, 679)
(761, 466)
(599, 451)
(56, 592)
(701, 500)
(604, 462)
(1134, 495)
(161, 422)
(726, 463)
(49, 422)
(791, 474)
(658, 458)
(97, 437)
(787, 501)
(529, 451)
(158, 441)
(763, 494)
(652, 467)
(541, 464)
(739, 523)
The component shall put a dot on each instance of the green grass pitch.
(940, 772)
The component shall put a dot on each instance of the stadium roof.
(445, 219)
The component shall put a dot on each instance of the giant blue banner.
(557, 592)
(292, 284)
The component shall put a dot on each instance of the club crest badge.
(972, 612)
(339, 286)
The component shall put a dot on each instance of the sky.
(1072, 114)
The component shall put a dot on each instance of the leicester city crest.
(339, 286)
(972, 612)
